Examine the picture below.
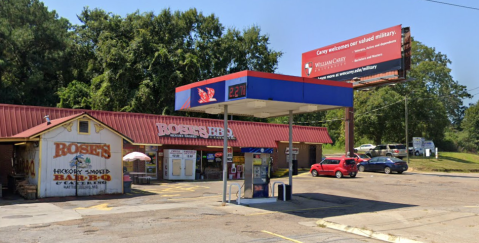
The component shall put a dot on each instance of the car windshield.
(350, 162)
(394, 159)
(363, 156)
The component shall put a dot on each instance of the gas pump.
(256, 172)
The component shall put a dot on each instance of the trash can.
(280, 192)
(295, 167)
(126, 184)
(197, 174)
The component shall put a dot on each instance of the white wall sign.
(80, 164)
(191, 131)
(295, 150)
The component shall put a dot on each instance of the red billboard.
(370, 54)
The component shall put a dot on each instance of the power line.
(469, 90)
(451, 4)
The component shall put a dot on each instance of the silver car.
(364, 148)
(390, 150)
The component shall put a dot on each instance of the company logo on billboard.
(335, 62)
(308, 67)
(206, 97)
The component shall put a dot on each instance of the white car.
(364, 148)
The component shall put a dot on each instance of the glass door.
(151, 166)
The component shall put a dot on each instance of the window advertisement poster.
(210, 157)
(151, 166)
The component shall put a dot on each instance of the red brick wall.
(6, 154)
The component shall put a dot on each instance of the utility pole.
(407, 141)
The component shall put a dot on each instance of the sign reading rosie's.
(191, 131)
(366, 55)
(81, 165)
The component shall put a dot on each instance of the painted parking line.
(191, 198)
(280, 236)
(295, 210)
(103, 207)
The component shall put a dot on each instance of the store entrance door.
(312, 154)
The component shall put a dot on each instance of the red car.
(360, 158)
(335, 166)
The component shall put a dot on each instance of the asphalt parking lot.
(411, 207)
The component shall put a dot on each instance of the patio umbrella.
(136, 156)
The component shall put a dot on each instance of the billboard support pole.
(349, 130)
(225, 154)
(407, 142)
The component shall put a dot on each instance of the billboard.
(370, 54)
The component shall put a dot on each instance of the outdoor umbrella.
(136, 156)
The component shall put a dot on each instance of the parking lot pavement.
(412, 207)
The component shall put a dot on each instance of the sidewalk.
(409, 225)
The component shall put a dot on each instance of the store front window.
(151, 166)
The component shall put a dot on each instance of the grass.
(447, 162)
(332, 149)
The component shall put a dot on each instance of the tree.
(470, 124)
(434, 102)
(432, 77)
(135, 63)
(34, 44)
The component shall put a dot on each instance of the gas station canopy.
(258, 94)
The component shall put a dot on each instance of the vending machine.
(256, 172)
(179, 164)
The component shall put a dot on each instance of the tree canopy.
(135, 63)
(34, 51)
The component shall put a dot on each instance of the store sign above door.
(192, 131)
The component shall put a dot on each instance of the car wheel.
(352, 175)
(369, 155)
(361, 168)
(339, 174)
(400, 172)
(355, 150)
(387, 170)
(314, 173)
(389, 155)
(417, 153)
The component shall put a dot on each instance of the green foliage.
(34, 50)
(109, 62)
(470, 124)
(434, 101)
(135, 63)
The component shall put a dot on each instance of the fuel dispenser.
(256, 172)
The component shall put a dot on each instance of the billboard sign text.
(370, 54)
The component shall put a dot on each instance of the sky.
(295, 27)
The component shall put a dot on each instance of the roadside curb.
(364, 232)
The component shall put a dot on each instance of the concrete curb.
(364, 232)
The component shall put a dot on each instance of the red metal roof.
(44, 126)
(15, 119)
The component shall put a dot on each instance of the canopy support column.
(225, 154)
